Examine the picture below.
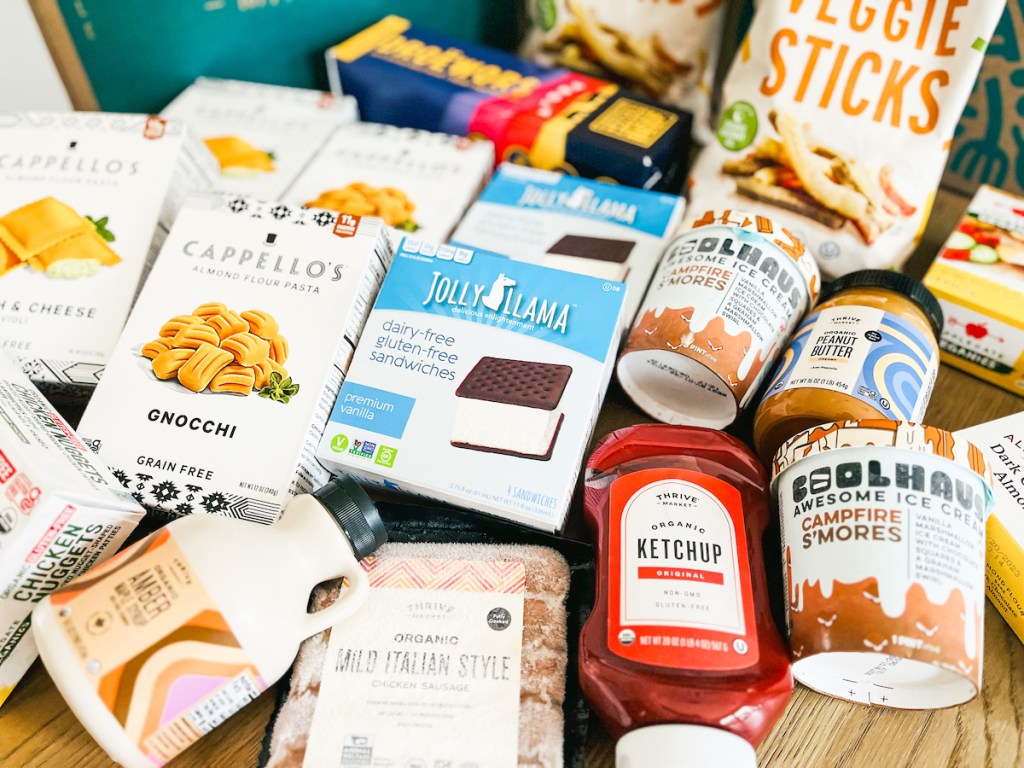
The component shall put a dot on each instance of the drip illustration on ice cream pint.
(725, 297)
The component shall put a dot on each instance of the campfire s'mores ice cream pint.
(61, 512)
(883, 540)
(225, 374)
(605, 230)
(417, 181)
(262, 136)
(477, 382)
(85, 201)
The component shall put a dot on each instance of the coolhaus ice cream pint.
(883, 538)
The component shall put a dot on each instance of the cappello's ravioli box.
(477, 382)
(61, 512)
(417, 181)
(605, 230)
(85, 201)
(262, 136)
(220, 385)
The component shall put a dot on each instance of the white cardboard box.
(61, 512)
(477, 382)
(420, 182)
(605, 230)
(1002, 442)
(262, 135)
(315, 274)
(59, 173)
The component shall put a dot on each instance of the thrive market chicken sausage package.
(837, 119)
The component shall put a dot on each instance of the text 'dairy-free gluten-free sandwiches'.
(220, 385)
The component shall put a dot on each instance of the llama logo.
(496, 295)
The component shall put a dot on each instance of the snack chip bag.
(665, 50)
(837, 119)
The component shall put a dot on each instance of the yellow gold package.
(63, 512)
(501, 611)
(223, 420)
(85, 202)
(837, 119)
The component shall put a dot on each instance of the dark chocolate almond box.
(477, 382)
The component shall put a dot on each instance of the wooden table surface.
(37, 729)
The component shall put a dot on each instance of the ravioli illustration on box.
(219, 388)
(85, 201)
(477, 382)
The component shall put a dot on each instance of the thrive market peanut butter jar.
(883, 539)
(868, 351)
(726, 296)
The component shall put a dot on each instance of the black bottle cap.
(896, 282)
(356, 514)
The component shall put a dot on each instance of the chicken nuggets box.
(477, 382)
(61, 512)
(262, 136)
(585, 226)
(219, 387)
(978, 277)
(417, 181)
(85, 202)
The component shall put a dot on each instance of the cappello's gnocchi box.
(85, 201)
(837, 119)
(477, 382)
(61, 512)
(417, 181)
(262, 136)
(220, 385)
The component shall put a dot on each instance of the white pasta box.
(61, 512)
(1002, 442)
(262, 136)
(477, 382)
(85, 201)
(220, 385)
(419, 182)
(605, 230)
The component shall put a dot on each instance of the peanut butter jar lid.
(880, 433)
(896, 282)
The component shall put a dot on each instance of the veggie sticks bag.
(837, 119)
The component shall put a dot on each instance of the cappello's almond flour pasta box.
(837, 119)
(220, 385)
(261, 136)
(85, 202)
(61, 512)
(477, 382)
(419, 182)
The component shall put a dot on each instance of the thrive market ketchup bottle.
(680, 658)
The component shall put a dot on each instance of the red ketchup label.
(679, 591)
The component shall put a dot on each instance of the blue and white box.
(477, 382)
(547, 218)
